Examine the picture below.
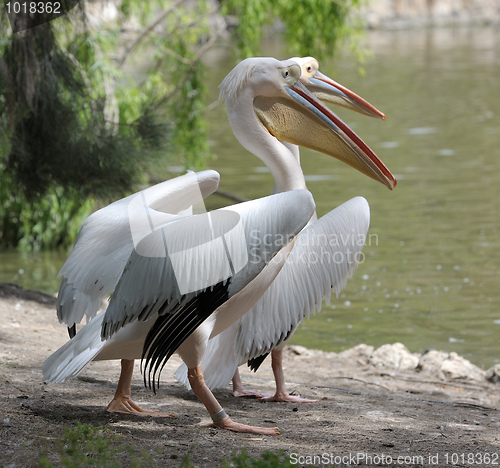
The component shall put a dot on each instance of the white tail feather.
(70, 359)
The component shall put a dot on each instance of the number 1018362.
(33, 7)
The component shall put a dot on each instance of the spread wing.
(325, 255)
(188, 268)
(107, 238)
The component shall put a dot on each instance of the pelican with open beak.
(271, 111)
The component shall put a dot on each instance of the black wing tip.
(72, 331)
(170, 330)
(255, 363)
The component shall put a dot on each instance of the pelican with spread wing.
(327, 251)
(150, 315)
(176, 278)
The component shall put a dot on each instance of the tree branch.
(147, 30)
(191, 63)
(84, 79)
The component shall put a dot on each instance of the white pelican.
(285, 109)
(178, 285)
(302, 283)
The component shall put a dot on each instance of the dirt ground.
(375, 408)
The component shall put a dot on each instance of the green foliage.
(311, 27)
(316, 27)
(186, 462)
(77, 125)
(64, 127)
(268, 459)
(49, 222)
(91, 446)
(251, 16)
(190, 134)
(176, 78)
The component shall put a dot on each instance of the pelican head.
(328, 90)
(265, 99)
(262, 76)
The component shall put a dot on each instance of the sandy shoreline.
(387, 401)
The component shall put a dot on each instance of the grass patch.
(89, 446)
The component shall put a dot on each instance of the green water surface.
(430, 278)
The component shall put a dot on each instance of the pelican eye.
(290, 74)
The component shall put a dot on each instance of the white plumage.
(324, 256)
(326, 253)
(105, 242)
(149, 283)
(186, 277)
(157, 309)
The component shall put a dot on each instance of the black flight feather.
(72, 330)
(171, 329)
(255, 363)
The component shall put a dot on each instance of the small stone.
(361, 351)
(457, 367)
(395, 356)
(299, 350)
(493, 374)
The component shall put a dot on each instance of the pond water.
(430, 275)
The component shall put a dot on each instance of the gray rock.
(493, 374)
(449, 366)
(394, 356)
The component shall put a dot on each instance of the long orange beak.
(328, 90)
(300, 118)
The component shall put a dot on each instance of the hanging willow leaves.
(311, 27)
(93, 109)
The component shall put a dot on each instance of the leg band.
(219, 416)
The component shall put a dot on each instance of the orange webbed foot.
(289, 398)
(230, 425)
(124, 405)
(240, 392)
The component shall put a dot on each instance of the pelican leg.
(279, 376)
(214, 408)
(121, 402)
(240, 391)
